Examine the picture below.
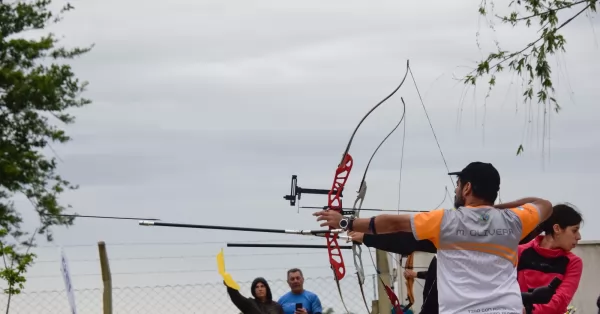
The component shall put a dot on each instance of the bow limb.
(358, 202)
(356, 247)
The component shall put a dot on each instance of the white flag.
(64, 268)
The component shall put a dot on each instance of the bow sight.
(296, 191)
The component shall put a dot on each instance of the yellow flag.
(226, 276)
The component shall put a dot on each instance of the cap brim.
(455, 173)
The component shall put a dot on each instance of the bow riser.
(334, 202)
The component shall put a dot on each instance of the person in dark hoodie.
(262, 303)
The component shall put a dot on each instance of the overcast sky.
(204, 109)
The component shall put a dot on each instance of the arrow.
(289, 246)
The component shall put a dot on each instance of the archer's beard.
(458, 202)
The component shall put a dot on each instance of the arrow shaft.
(287, 246)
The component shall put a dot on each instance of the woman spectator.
(549, 255)
(262, 303)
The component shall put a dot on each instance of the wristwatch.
(346, 223)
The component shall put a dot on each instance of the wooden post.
(106, 279)
(374, 307)
(384, 304)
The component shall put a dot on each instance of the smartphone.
(298, 306)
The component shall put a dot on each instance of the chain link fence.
(186, 299)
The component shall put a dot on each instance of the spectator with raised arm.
(549, 255)
(311, 304)
(262, 303)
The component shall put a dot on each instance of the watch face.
(344, 223)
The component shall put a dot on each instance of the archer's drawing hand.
(356, 236)
(330, 218)
(408, 274)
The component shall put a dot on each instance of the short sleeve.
(426, 226)
(529, 215)
(316, 304)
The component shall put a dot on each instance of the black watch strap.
(372, 225)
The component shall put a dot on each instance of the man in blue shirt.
(310, 301)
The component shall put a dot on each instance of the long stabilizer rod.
(105, 217)
(178, 225)
(287, 246)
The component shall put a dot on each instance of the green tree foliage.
(531, 61)
(37, 88)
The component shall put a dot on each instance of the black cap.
(483, 177)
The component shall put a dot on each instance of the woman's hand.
(408, 274)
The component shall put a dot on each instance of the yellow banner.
(226, 276)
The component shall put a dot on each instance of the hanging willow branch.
(531, 62)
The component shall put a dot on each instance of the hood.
(264, 282)
(535, 243)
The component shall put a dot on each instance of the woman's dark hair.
(564, 215)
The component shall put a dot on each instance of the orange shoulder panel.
(530, 217)
(427, 225)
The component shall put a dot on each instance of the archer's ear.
(467, 188)
(557, 229)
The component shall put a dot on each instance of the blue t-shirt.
(309, 300)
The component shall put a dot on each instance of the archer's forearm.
(383, 224)
(517, 203)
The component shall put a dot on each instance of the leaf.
(37, 96)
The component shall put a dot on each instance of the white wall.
(589, 286)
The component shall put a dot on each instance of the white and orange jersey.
(477, 256)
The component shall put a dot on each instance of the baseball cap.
(483, 177)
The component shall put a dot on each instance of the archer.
(477, 243)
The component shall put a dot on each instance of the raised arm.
(242, 303)
(532, 212)
(544, 206)
(383, 224)
(424, 226)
